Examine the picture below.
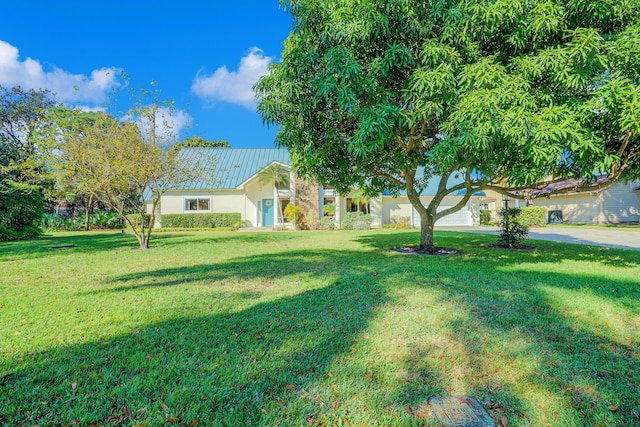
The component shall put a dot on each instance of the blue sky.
(204, 55)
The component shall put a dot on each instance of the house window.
(352, 206)
(197, 204)
(283, 205)
(484, 206)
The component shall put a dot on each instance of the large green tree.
(510, 95)
(23, 176)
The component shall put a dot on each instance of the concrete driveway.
(612, 238)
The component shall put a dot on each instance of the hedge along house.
(231, 181)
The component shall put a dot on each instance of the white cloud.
(68, 87)
(169, 124)
(234, 86)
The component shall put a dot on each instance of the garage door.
(461, 218)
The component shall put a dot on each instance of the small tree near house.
(123, 167)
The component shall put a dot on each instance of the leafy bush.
(512, 231)
(326, 223)
(356, 221)
(21, 207)
(485, 217)
(207, 220)
(105, 220)
(97, 220)
(533, 216)
(25, 233)
(294, 216)
(401, 222)
(54, 222)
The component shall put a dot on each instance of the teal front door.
(267, 212)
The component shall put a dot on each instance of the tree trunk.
(87, 212)
(427, 223)
(427, 215)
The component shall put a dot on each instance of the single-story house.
(232, 182)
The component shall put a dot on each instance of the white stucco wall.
(401, 207)
(221, 202)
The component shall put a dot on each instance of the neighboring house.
(617, 204)
(230, 182)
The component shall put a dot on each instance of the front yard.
(314, 329)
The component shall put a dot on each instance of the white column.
(321, 201)
(276, 207)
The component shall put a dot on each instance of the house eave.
(255, 175)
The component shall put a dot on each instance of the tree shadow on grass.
(44, 245)
(55, 244)
(349, 266)
(563, 358)
(565, 372)
(480, 245)
(258, 366)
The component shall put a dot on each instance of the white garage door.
(461, 218)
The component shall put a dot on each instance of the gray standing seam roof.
(227, 168)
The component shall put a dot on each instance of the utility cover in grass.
(460, 411)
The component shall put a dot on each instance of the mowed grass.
(314, 329)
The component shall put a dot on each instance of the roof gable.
(229, 168)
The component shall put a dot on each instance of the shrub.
(294, 216)
(97, 220)
(21, 208)
(105, 220)
(54, 222)
(485, 217)
(401, 222)
(311, 219)
(326, 223)
(356, 221)
(512, 231)
(533, 216)
(207, 220)
(25, 233)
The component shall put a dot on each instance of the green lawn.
(314, 329)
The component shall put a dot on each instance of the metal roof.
(228, 168)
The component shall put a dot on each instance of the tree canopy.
(510, 94)
(23, 121)
(23, 176)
